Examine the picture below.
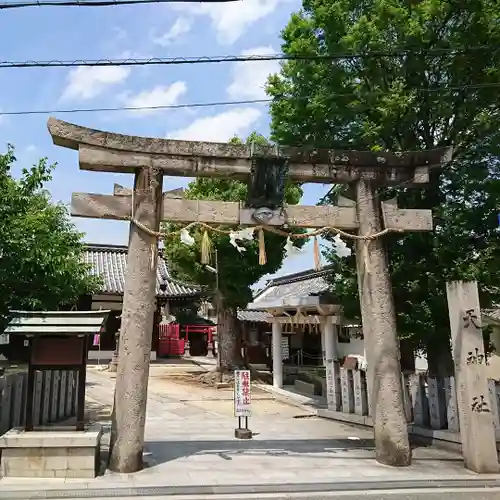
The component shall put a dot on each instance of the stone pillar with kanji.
(475, 413)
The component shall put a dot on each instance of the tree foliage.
(41, 263)
(415, 101)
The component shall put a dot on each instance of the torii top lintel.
(110, 152)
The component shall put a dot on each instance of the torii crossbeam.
(149, 159)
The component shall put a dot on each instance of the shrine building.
(109, 262)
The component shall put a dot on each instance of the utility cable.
(97, 3)
(157, 61)
(477, 86)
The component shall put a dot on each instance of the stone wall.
(51, 453)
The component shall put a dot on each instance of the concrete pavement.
(449, 494)
(351, 491)
(191, 450)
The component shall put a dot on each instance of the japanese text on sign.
(285, 348)
(471, 317)
(242, 396)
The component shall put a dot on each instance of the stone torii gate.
(150, 159)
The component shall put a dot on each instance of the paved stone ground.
(478, 494)
(190, 442)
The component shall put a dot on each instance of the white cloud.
(158, 96)
(87, 82)
(30, 150)
(221, 127)
(182, 26)
(249, 78)
(232, 19)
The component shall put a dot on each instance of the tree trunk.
(228, 336)
(439, 361)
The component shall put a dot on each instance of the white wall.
(356, 347)
(421, 363)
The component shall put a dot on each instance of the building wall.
(114, 302)
(355, 347)
(107, 301)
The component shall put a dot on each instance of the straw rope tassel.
(317, 254)
(262, 248)
(206, 246)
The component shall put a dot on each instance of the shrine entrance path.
(190, 441)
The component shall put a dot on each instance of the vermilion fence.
(169, 342)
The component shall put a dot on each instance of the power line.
(96, 3)
(247, 58)
(477, 86)
(135, 108)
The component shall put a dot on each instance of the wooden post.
(137, 325)
(80, 391)
(476, 418)
(383, 357)
(29, 398)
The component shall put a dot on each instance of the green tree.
(419, 100)
(41, 263)
(237, 271)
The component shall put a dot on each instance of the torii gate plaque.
(150, 159)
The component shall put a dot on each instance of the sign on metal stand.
(285, 348)
(242, 403)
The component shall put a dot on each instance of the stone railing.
(54, 398)
(430, 403)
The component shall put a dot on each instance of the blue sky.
(143, 31)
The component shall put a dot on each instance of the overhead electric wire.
(246, 58)
(97, 3)
(477, 86)
(135, 108)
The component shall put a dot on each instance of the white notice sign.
(242, 397)
(4, 338)
(285, 348)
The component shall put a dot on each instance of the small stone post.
(451, 404)
(277, 355)
(329, 339)
(419, 400)
(476, 418)
(437, 405)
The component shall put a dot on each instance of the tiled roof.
(303, 284)
(254, 316)
(110, 263)
(492, 314)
